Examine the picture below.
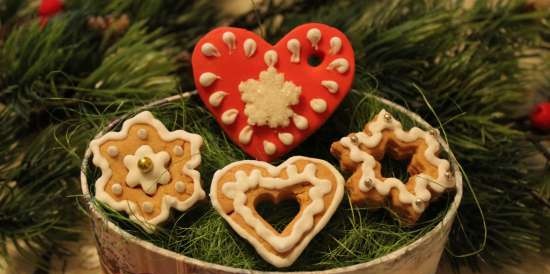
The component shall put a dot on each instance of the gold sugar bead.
(145, 164)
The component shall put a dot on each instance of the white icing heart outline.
(274, 172)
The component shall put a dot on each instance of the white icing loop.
(270, 58)
(249, 47)
(293, 45)
(246, 135)
(286, 138)
(269, 148)
(341, 65)
(318, 105)
(210, 50)
(229, 116)
(335, 45)
(314, 36)
(331, 86)
(230, 40)
(216, 98)
(207, 79)
(300, 121)
(368, 178)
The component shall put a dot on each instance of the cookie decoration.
(269, 98)
(146, 170)
(315, 184)
(361, 153)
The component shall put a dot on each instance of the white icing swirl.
(269, 148)
(335, 45)
(293, 45)
(368, 178)
(230, 40)
(207, 79)
(314, 36)
(331, 86)
(229, 116)
(216, 98)
(318, 105)
(300, 121)
(286, 138)
(341, 65)
(246, 135)
(270, 58)
(249, 47)
(209, 50)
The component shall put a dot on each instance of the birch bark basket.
(120, 252)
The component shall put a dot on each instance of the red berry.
(540, 117)
(49, 7)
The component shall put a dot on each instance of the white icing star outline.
(168, 201)
(424, 182)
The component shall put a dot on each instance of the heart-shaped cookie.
(269, 98)
(239, 187)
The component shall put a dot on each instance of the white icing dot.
(230, 40)
(210, 50)
(246, 135)
(318, 105)
(249, 47)
(331, 86)
(293, 45)
(286, 138)
(229, 116)
(180, 187)
(142, 134)
(178, 150)
(147, 207)
(206, 79)
(300, 121)
(269, 148)
(270, 58)
(216, 98)
(335, 45)
(112, 151)
(116, 189)
(341, 65)
(314, 36)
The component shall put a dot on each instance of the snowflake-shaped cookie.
(268, 99)
(146, 170)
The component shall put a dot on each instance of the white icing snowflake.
(268, 99)
(148, 180)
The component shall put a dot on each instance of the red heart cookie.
(268, 99)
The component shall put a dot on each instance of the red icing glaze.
(540, 117)
(235, 68)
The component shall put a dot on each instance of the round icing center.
(268, 100)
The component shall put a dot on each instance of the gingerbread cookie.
(269, 98)
(361, 153)
(146, 169)
(315, 184)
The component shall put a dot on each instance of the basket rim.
(394, 255)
